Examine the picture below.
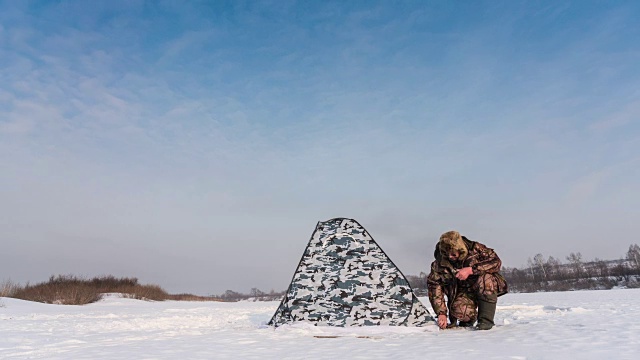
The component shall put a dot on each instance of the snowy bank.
(579, 325)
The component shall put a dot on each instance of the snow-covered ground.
(570, 325)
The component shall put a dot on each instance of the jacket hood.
(452, 241)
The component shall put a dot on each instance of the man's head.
(452, 247)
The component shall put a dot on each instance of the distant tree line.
(254, 294)
(418, 283)
(540, 274)
(552, 274)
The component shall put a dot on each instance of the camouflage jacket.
(442, 281)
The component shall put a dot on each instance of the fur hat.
(452, 241)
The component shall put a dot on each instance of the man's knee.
(464, 309)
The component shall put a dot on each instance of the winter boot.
(462, 324)
(486, 311)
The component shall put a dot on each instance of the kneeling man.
(467, 273)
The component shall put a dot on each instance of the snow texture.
(570, 325)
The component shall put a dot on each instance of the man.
(467, 273)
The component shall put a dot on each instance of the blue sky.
(195, 145)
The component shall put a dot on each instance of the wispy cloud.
(630, 113)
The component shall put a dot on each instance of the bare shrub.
(106, 283)
(129, 287)
(8, 288)
(63, 289)
(144, 292)
(73, 290)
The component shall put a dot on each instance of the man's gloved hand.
(464, 273)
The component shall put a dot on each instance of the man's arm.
(436, 295)
(487, 260)
(436, 291)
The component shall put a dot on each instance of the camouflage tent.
(345, 279)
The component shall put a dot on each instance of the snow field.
(569, 325)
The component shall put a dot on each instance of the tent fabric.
(345, 279)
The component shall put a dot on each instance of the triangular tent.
(345, 279)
